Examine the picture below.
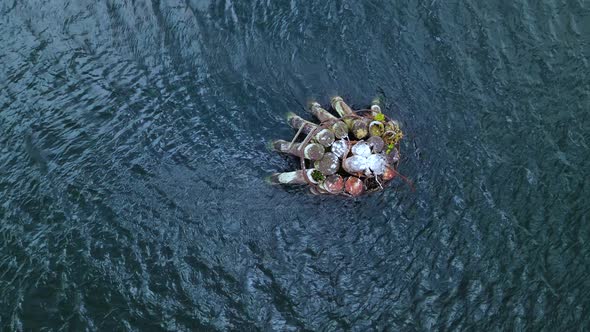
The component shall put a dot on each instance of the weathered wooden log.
(313, 151)
(355, 164)
(320, 113)
(329, 164)
(376, 143)
(296, 122)
(376, 163)
(389, 137)
(340, 148)
(393, 156)
(354, 186)
(376, 106)
(334, 184)
(340, 129)
(360, 128)
(341, 107)
(295, 177)
(376, 128)
(361, 148)
(389, 173)
(392, 125)
(323, 136)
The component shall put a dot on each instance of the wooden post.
(323, 136)
(329, 164)
(312, 151)
(295, 177)
(320, 113)
(341, 107)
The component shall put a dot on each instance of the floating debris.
(353, 153)
(354, 186)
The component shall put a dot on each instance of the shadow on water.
(133, 155)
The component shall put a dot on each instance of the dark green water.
(132, 165)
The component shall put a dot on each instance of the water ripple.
(133, 155)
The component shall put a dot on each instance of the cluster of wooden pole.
(351, 153)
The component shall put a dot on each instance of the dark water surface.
(133, 156)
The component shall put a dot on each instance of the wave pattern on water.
(133, 155)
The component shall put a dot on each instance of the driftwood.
(351, 153)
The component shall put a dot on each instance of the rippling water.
(133, 156)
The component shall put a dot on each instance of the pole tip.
(270, 145)
(272, 179)
(290, 115)
(336, 98)
(314, 103)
